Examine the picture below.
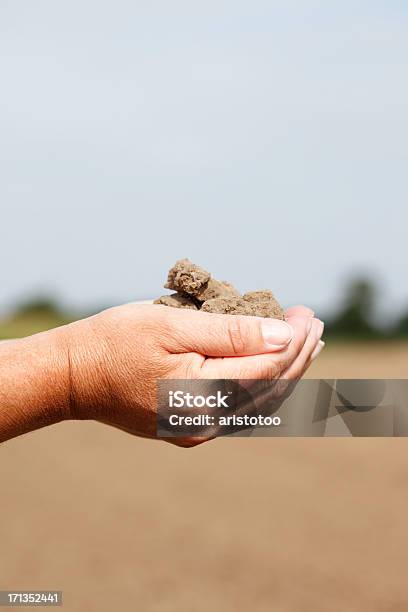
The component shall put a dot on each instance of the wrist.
(85, 369)
(47, 365)
(34, 380)
(58, 370)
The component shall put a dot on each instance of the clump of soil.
(196, 289)
(186, 277)
(177, 300)
(231, 305)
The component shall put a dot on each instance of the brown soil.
(211, 295)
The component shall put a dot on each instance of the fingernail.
(319, 328)
(276, 333)
(320, 346)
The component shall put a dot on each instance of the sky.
(264, 140)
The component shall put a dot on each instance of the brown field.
(291, 525)
(356, 360)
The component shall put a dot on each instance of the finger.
(299, 311)
(266, 366)
(220, 335)
(320, 346)
(300, 364)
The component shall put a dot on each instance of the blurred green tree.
(401, 328)
(32, 316)
(42, 306)
(355, 317)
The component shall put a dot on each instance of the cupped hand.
(116, 357)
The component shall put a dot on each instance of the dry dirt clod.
(232, 306)
(186, 277)
(216, 289)
(176, 300)
(195, 289)
(258, 296)
(269, 309)
(265, 304)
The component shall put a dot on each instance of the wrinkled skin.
(116, 357)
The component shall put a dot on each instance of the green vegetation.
(32, 317)
(401, 329)
(356, 317)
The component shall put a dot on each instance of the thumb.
(219, 335)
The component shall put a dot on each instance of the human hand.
(116, 357)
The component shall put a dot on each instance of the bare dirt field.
(359, 360)
(120, 523)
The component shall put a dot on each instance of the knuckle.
(283, 365)
(270, 370)
(190, 365)
(296, 372)
(238, 335)
(286, 359)
(273, 372)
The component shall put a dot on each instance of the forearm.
(34, 383)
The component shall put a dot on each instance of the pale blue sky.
(265, 140)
